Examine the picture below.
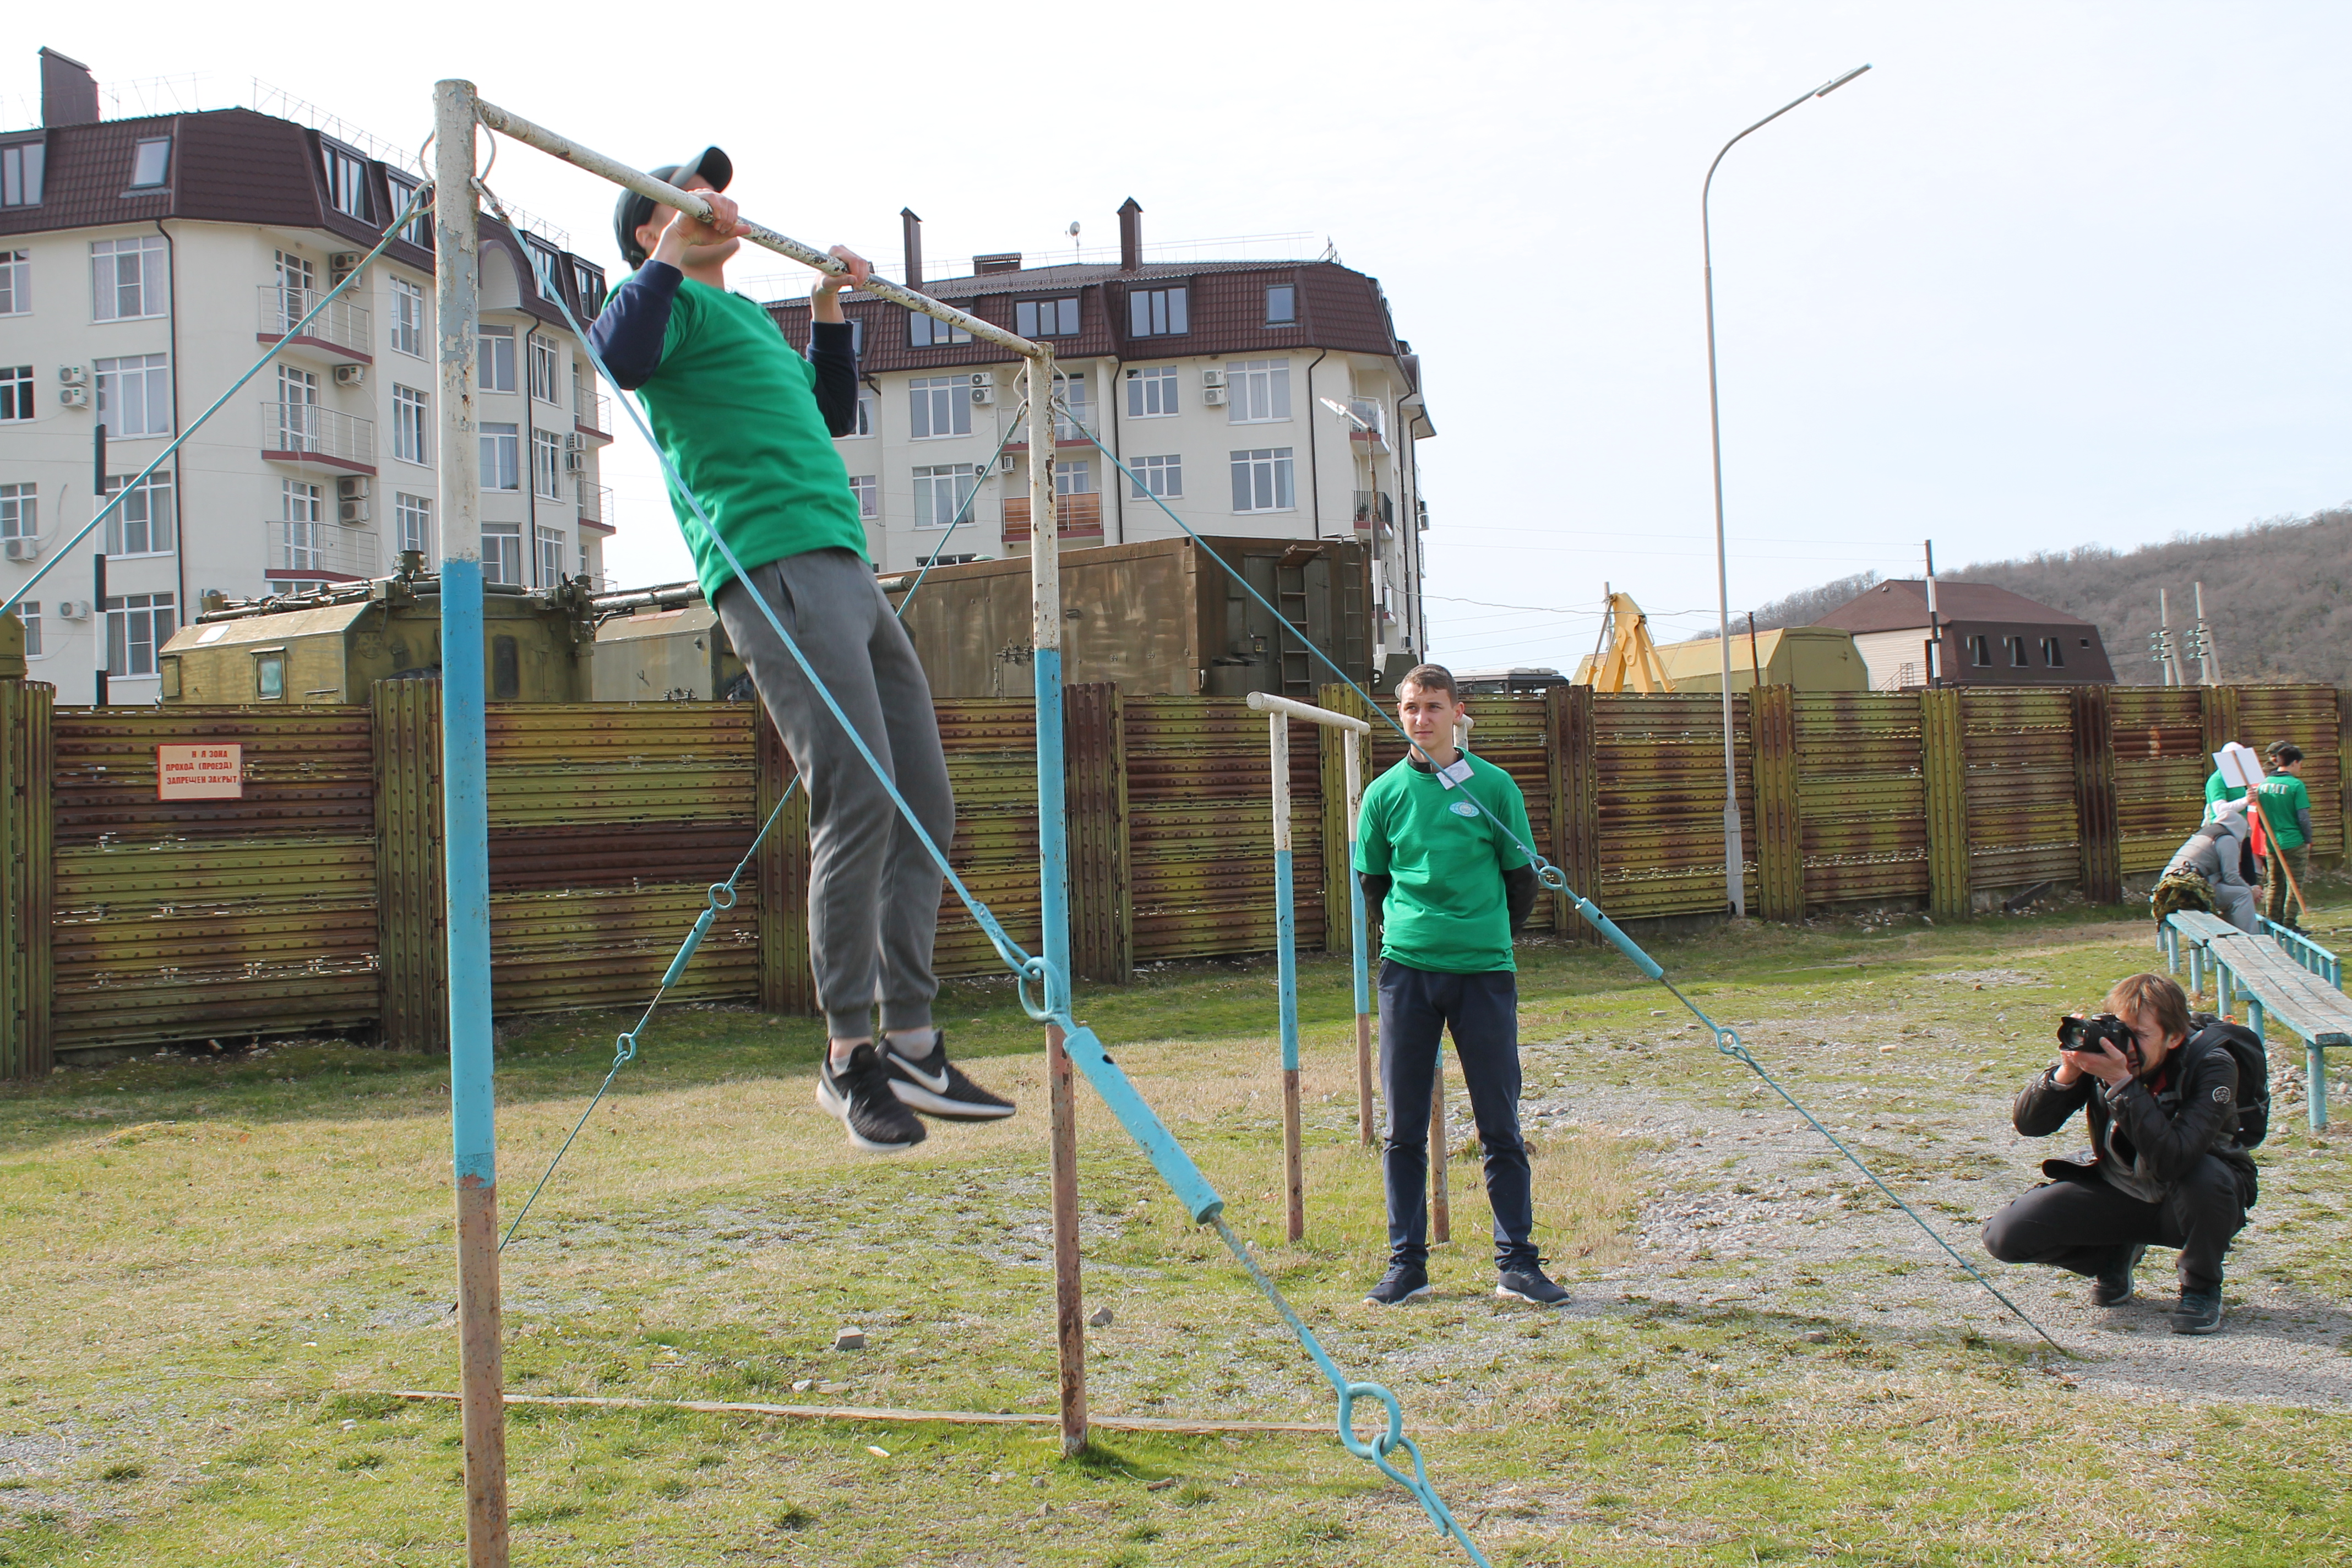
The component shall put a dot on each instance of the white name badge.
(1459, 773)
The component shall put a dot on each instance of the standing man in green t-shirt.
(2286, 816)
(748, 426)
(1452, 881)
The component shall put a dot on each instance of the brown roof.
(1902, 605)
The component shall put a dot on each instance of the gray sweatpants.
(874, 893)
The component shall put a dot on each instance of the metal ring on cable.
(1553, 877)
(1349, 1395)
(728, 901)
(624, 1050)
(1047, 1009)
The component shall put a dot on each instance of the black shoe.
(937, 1086)
(2111, 1286)
(2199, 1312)
(860, 1095)
(1528, 1284)
(1401, 1284)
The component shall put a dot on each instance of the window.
(126, 278)
(1075, 478)
(496, 368)
(502, 552)
(1262, 480)
(924, 333)
(864, 426)
(868, 491)
(2053, 652)
(407, 318)
(135, 395)
(298, 410)
(15, 392)
(1046, 318)
(1281, 305)
(346, 181)
(151, 164)
(590, 280)
(15, 282)
(1158, 476)
(942, 491)
(28, 611)
(301, 528)
(547, 464)
(411, 523)
(1980, 652)
(546, 368)
(418, 230)
(141, 522)
(1157, 313)
(20, 512)
(547, 265)
(1260, 391)
(1151, 392)
(20, 174)
(136, 625)
(1079, 421)
(502, 457)
(409, 417)
(550, 557)
(269, 667)
(941, 406)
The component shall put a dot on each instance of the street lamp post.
(1732, 850)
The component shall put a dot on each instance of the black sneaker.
(860, 1095)
(2112, 1287)
(1528, 1284)
(1401, 1284)
(2199, 1312)
(937, 1086)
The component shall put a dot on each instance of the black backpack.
(2245, 1047)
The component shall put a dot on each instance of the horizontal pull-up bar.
(669, 196)
(1266, 702)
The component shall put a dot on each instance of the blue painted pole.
(1285, 956)
(1359, 940)
(465, 831)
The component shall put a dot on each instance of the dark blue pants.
(1417, 1006)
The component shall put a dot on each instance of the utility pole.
(1935, 625)
(98, 620)
(2159, 642)
(2200, 643)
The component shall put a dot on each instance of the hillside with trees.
(2278, 597)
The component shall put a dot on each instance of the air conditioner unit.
(73, 609)
(984, 395)
(1213, 396)
(24, 550)
(1212, 377)
(74, 374)
(983, 378)
(352, 512)
(73, 397)
(352, 487)
(575, 443)
(351, 375)
(575, 463)
(343, 264)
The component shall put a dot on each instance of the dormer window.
(152, 165)
(347, 187)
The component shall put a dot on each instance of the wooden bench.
(2276, 984)
(2307, 953)
(2192, 930)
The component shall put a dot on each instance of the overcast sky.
(2050, 274)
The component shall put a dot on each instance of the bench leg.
(2196, 972)
(2254, 1020)
(2229, 1003)
(2318, 1072)
(2169, 940)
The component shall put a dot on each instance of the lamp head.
(1840, 81)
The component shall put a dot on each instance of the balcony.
(1368, 431)
(591, 415)
(317, 552)
(595, 506)
(1074, 517)
(309, 436)
(343, 328)
(1376, 507)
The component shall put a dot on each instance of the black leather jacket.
(2148, 1134)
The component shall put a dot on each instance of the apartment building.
(143, 264)
(1267, 399)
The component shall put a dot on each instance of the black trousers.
(2085, 1227)
(1417, 1007)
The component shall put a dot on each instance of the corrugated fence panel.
(189, 919)
(2309, 716)
(991, 752)
(1201, 828)
(1861, 796)
(608, 823)
(2023, 825)
(2161, 769)
(1660, 765)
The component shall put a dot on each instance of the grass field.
(220, 1264)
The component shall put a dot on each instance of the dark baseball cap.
(632, 210)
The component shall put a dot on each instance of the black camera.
(2091, 1033)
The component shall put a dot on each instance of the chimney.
(910, 238)
(1130, 236)
(68, 92)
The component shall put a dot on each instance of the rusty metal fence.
(312, 899)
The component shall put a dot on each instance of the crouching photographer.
(2167, 1165)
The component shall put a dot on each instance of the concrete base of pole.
(1294, 1173)
(482, 1361)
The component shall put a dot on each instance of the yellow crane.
(1625, 658)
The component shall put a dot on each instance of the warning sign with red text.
(205, 771)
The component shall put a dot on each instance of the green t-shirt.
(1445, 909)
(734, 408)
(2218, 791)
(2284, 803)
